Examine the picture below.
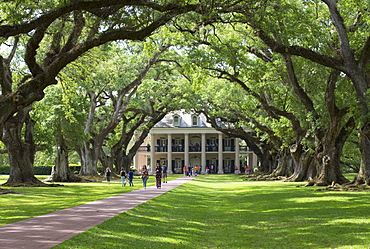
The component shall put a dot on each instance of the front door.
(177, 167)
(227, 166)
(195, 161)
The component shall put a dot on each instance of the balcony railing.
(193, 148)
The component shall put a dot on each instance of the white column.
(220, 155)
(254, 159)
(250, 162)
(136, 163)
(136, 158)
(203, 169)
(152, 153)
(169, 154)
(237, 155)
(186, 150)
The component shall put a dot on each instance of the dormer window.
(176, 121)
(194, 120)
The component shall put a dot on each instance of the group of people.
(125, 177)
(191, 171)
(160, 175)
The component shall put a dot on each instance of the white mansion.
(181, 139)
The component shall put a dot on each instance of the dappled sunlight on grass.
(223, 211)
(36, 201)
(353, 221)
(214, 212)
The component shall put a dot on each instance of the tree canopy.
(295, 72)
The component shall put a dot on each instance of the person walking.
(107, 174)
(185, 169)
(158, 177)
(123, 177)
(196, 170)
(131, 177)
(144, 175)
(190, 171)
(164, 173)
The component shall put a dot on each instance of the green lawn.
(31, 202)
(221, 211)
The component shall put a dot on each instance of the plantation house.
(182, 139)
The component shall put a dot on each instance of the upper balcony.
(193, 148)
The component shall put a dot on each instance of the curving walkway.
(52, 229)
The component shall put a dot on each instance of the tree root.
(30, 184)
(346, 187)
(255, 177)
(7, 191)
(71, 178)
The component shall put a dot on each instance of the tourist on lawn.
(144, 175)
(131, 177)
(107, 174)
(185, 169)
(123, 177)
(190, 171)
(158, 176)
(164, 173)
(196, 170)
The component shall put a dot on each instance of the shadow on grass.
(224, 212)
(42, 200)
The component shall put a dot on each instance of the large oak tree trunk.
(304, 165)
(334, 138)
(107, 161)
(266, 162)
(21, 153)
(89, 160)
(122, 160)
(284, 164)
(357, 71)
(265, 159)
(332, 150)
(364, 174)
(61, 171)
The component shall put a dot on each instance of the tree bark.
(330, 168)
(357, 72)
(61, 171)
(266, 161)
(89, 160)
(363, 175)
(284, 164)
(334, 138)
(119, 161)
(107, 161)
(304, 165)
(21, 151)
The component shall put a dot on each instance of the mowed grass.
(218, 211)
(222, 211)
(31, 202)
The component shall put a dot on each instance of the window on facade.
(176, 121)
(194, 120)
(227, 142)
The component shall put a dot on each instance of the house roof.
(185, 120)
